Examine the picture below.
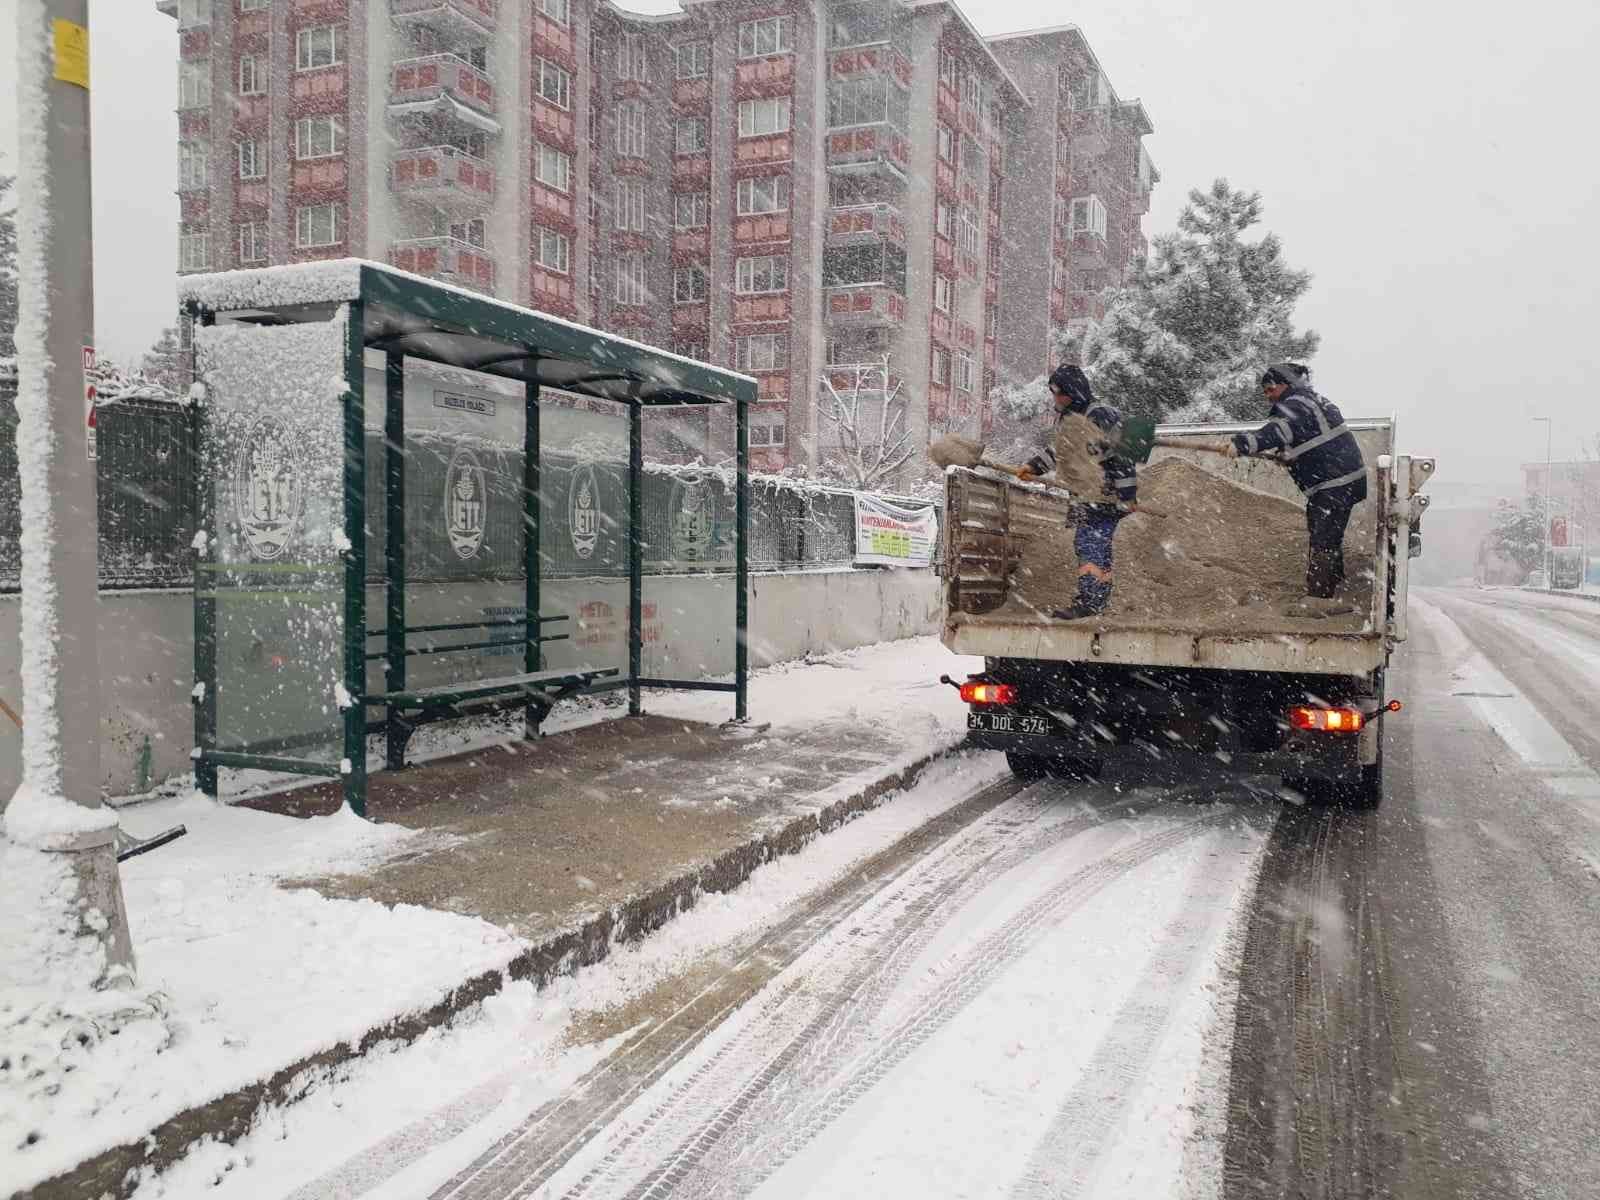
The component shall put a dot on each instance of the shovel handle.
(1177, 444)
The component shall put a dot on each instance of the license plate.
(1009, 722)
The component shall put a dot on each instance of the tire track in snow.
(701, 1171)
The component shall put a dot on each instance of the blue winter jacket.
(1314, 441)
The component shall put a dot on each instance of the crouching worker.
(1324, 461)
(1104, 487)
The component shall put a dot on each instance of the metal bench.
(535, 692)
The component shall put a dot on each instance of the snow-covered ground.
(254, 976)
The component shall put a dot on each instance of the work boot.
(1077, 612)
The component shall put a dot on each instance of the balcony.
(863, 304)
(873, 378)
(454, 20)
(447, 259)
(449, 179)
(1091, 132)
(850, 224)
(419, 80)
(870, 148)
(1089, 250)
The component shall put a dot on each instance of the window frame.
(187, 242)
(780, 185)
(194, 165)
(563, 17)
(304, 38)
(563, 245)
(257, 231)
(558, 156)
(699, 60)
(747, 275)
(939, 365)
(630, 207)
(775, 425)
(755, 106)
(781, 28)
(636, 281)
(966, 375)
(258, 165)
(777, 344)
(564, 81)
(697, 292)
(947, 144)
(194, 76)
(305, 214)
(944, 286)
(699, 207)
(703, 142)
(631, 140)
(327, 121)
(633, 58)
(258, 75)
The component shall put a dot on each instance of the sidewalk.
(286, 940)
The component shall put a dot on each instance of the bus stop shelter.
(278, 422)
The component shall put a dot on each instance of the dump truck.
(1180, 664)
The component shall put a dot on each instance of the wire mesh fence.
(463, 513)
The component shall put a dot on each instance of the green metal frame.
(405, 316)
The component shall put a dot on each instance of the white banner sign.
(893, 534)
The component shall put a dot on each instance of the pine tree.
(1188, 337)
(8, 270)
(166, 363)
(1518, 532)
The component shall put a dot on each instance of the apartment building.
(835, 197)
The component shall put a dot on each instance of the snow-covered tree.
(166, 363)
(1188, 337)
(1518, 532)
(1021, 412)
(8, 270)
(861, 404)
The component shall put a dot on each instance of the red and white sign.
(90, 443)
(1558, 532)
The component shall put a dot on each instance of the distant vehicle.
(1566, 569)
(1267, 696)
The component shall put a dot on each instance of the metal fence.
(147, 526)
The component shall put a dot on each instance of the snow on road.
(1036, 1008)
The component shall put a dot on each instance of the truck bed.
(1207, 586)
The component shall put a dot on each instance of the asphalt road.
(1419, 1012)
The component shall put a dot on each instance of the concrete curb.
(228, 1118)
(1590, 597)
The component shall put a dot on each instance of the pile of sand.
(1225, 557)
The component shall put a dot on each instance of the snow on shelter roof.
(437, 322)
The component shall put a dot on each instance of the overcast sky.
(1423, 158)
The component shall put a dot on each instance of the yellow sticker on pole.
(72, 53)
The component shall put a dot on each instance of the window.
(759, 117)
(630, 128)
(944, 220)
(947, 143)
(991, 324)
(766, 429)
(317, 225)
(1058, 276)
(772, 35)
(554, 252)
(858, 24)
(967, 231)
(689, 285)
(252, 76)
(629, 209)
(253, 242)
(943, 293)
(939, 370)
(690, 210)
(689, 136)
(473, 233)
(761, 352)
(971, 157)
(194, 251)
(558, 11)
(553, 168)
(1089, 215)
(193, 165)
(193, 12)
(318, 137)
(851, 346)
(694, 60)
(966, 372)
(972, 90)
(867, 101)
(694, 348)
(555, 84)
(320, 47)
(252, 163)
(194, 83)
(948, 71)
(765, 195)
(881, 263)
(766, 273)
(631, 287)
(632, 62)
(253, 5)
(469, 141)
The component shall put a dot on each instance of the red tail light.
(1328, 720)
(989, 693)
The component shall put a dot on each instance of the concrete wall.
(146, 648)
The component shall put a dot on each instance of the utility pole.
(58, 810)
(1549, 429)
